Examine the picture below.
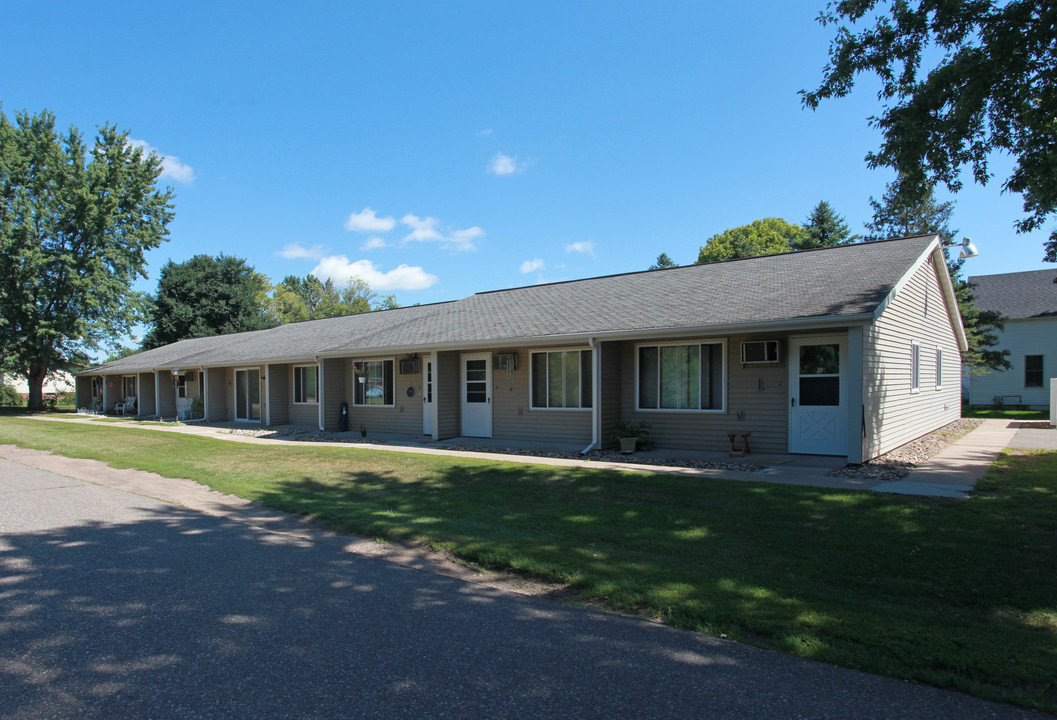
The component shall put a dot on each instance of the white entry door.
(427, 396)
(477, 395)
(818, 413)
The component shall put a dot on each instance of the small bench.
(734, 450)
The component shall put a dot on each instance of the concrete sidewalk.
(951, 473)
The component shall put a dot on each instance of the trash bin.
(343, 421)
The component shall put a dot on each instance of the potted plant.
(629, 435)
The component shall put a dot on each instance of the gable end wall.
(893, 414)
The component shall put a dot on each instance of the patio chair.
(126, 406)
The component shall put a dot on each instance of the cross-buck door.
(818, 413)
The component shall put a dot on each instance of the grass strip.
(957, 594)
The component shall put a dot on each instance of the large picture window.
(374, 382)
(680, 377)
(561, 379)
(306, 384)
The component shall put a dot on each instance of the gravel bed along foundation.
(896, 464)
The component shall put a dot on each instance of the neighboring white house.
(1029, 301)
(56, 382)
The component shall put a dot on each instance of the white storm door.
(818, 413)
(248, 394)
(477, 395)
(427, 396)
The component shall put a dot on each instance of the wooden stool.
(734, 451)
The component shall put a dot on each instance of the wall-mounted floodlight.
(968, 249)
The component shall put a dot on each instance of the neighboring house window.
(306, 384)
(939, 367)
(915, 367)
(128, 386)
(561, 379)
(374, 382)
(1033, 371)
(680, 377)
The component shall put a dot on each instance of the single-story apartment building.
(849, 351)
(1028, 301)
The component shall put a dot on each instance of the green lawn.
(1004, 413)
(958, 594)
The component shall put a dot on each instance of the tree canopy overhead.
(959, 81)
(310, 298)
(74, 227)
(207, 296)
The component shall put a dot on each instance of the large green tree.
(309, 298)
(825, 228)
(760, 237)
(206, 296)
(75, 224)
(960, 81)
(894, 216)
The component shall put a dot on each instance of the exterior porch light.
(968, 249)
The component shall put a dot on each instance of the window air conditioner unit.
(759, 351)
(409, 367)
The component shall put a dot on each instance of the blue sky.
(440, 149)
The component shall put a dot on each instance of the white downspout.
(157, 395)
(596, 399)
(205, 394)
(319, 374)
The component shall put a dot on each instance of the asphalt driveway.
(114, 605)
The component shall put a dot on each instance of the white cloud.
(531, 266)
(426, 229)
(464, 239)
(486, 131)
(172, 168)
(505, 165)
(421, 228)
(294, 251)
(373, 243)
(339, 269)
(587, 248)
(367, 221)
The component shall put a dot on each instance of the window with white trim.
(306, 384)
(915, 366)
(680, 377)
(939, 367)
(374, 383)
(561, 379)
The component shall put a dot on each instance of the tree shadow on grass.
(957, 594)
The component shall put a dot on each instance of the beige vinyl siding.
(513, 417)
(218, 405)
(333, 392)
(1034, 336)
(300, 413)
(447, 395)
(760, 391)
(145, 404)
(609, 405)
(82, 389)
(404, 417)
(111, 391)
(280, 397)
(894, 414)
(166, 394)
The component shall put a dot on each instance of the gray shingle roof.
(1018, 295)
(842, 281)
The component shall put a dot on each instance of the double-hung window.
(681, 377)
(1033, 371)
(306, 384)
(374, 382)
(561, 379)
(128, 386)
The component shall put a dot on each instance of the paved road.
(114, 605)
